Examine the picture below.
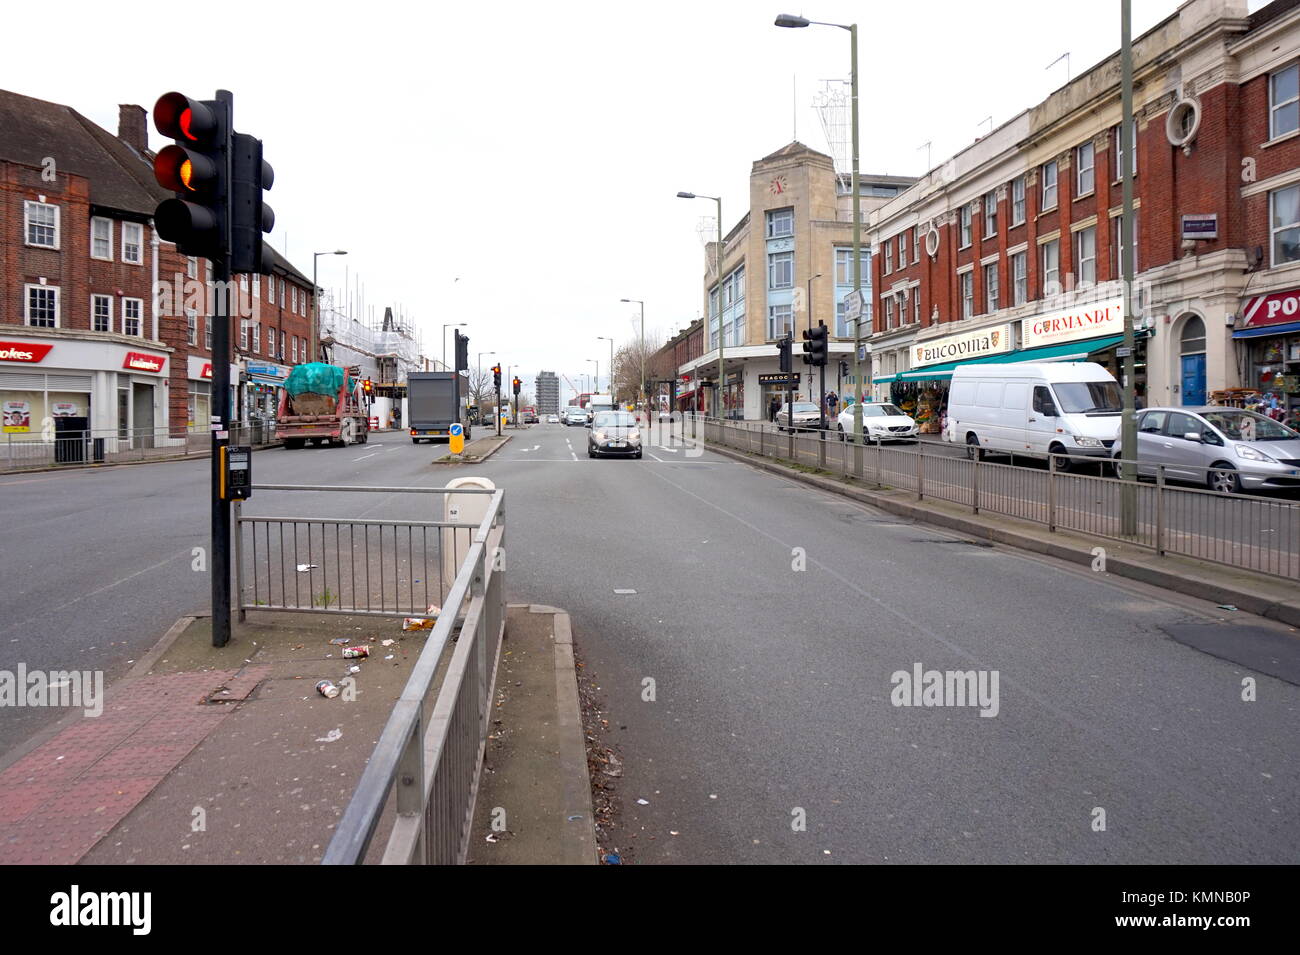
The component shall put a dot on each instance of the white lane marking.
(575, 455)
(364, 456)
(655, 456)
(669, 450)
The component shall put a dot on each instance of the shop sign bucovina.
(977, 344)
(1090, 320)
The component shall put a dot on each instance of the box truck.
(433, 405)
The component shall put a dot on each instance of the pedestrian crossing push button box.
(237, 475)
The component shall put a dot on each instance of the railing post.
(1051, 492)
(239, 561)
(920, 476)
(1160, 508)
(410, 784)
(762, 442)
(880, 484)
(821, 449)
(975, 485)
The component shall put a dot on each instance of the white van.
(1034, 409)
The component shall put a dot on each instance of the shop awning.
(1072, 351)
(885, 379)
(1263, 330)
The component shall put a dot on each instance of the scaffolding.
(386, 350)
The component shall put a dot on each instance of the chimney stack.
(132, 127)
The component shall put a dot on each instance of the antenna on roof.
(1064, 56)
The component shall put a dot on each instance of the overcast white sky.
(534, 150)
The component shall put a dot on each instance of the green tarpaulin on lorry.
(316, 378)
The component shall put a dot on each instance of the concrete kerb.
(1170, 576)
(581, 848)
(477, 460)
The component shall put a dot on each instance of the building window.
(282, 344)
(991, 288)
(1119, 151)
(132, 241)
(132, 310)
(916, 244)
(282, 293)
(42, 224)
(191, 326)
(207, 332)
(1284, 224)
(270, 289)
(780, 321)
(101, 239)
(844, 267)
(101, 313)
(1018, 201)
(1049, 185)
(1085, 256)
(965, 225)
(967, 280)
(270, 337)
(1083, 160)
(780, 270)
(889, 312)
(916, 304)
(294, 343)
(990, 215)
(1019, 278)
(1117, 239)
(42, 306)
(257, 285)
(902, 251)
(713, 303)
(302, 304)
(887, 256)
(192, 267)
(780, 223)
(243, 335)
(1284, 101)
(1052, 267)
(294, 298)
(257, 337)
(243, 283)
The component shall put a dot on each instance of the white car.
(552, 419)
(881, 421)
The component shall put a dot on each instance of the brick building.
(101, 321)
(1010, 249)
(795, 238)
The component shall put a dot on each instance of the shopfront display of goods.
(928, 409)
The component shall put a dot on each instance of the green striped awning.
(1073, 351)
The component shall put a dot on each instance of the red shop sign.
(138, 361)
(1275, 309)
(23, 351)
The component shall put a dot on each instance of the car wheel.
(842, 437)
(1224, 479)
(1062, 463)
(1121, 470)
(638, 455)
(973, 450)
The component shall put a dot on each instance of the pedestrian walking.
(773, 408)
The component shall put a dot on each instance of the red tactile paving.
(68, 793)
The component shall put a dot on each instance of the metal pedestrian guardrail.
(51, 448)
(424, 771)
(1070, 493)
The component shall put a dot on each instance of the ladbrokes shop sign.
(986, 341)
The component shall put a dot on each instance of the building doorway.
(1191, 348)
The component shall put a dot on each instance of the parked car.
(1034, 410)
(552, 419)
(806, 415)
(1224, 449)
(881, 421)
(575, 415)
(614, 432)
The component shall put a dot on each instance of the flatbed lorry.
(322, 403)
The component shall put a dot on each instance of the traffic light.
(816, 347)
(250, 216)
(462, 352)
(785, 348)
(496, 377)
(844, 368)
(196, 167)
(514, 384)
(368, 387)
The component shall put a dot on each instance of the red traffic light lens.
(177, 116)
(178, 169)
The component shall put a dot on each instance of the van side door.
(1042, 422)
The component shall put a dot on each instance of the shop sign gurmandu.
(1105, 317)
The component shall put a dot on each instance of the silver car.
(806, 415)
(1224, 449)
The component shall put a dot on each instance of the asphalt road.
(772, 684)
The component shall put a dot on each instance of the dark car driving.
(614, 432)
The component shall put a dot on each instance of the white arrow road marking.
(669, 450)
(364, 456)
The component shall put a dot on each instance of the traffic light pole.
(220, 562)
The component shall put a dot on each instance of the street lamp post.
(637, 301)
(821, 398)
(595, 381)
(722, 367)
(444, 340)
(1128, 423)
(315, 303)
(786, 20)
